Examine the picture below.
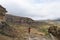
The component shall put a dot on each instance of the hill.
(17, 28)
(18, 19)
(58, 19)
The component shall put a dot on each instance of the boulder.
(55, 31)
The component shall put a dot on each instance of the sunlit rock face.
(55, 31)
(2, 13)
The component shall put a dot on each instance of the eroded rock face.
(2, 13)
(55, 31)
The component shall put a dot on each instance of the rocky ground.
(37, 37)
(21, 33)
(34, 35)
(30, 37)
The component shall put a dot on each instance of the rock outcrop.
(55, 31)
(9, 31)
(18, 19)
(6, 29)
(2, 13)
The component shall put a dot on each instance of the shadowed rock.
(7, 30)
(55, 31)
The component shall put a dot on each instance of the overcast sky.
(35, 9)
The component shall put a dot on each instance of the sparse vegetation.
(17, 27)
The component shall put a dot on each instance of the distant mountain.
(58, 19)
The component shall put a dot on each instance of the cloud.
(36, 9)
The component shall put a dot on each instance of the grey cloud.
(36, 11)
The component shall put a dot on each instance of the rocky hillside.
(18, 32)
(18, 19)
(8, 31)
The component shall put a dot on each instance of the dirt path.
(37, 37)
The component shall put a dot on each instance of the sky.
(35, 9)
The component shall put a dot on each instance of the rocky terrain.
(18, 19)
(55, 31)
(17, 28)
(14, 29)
